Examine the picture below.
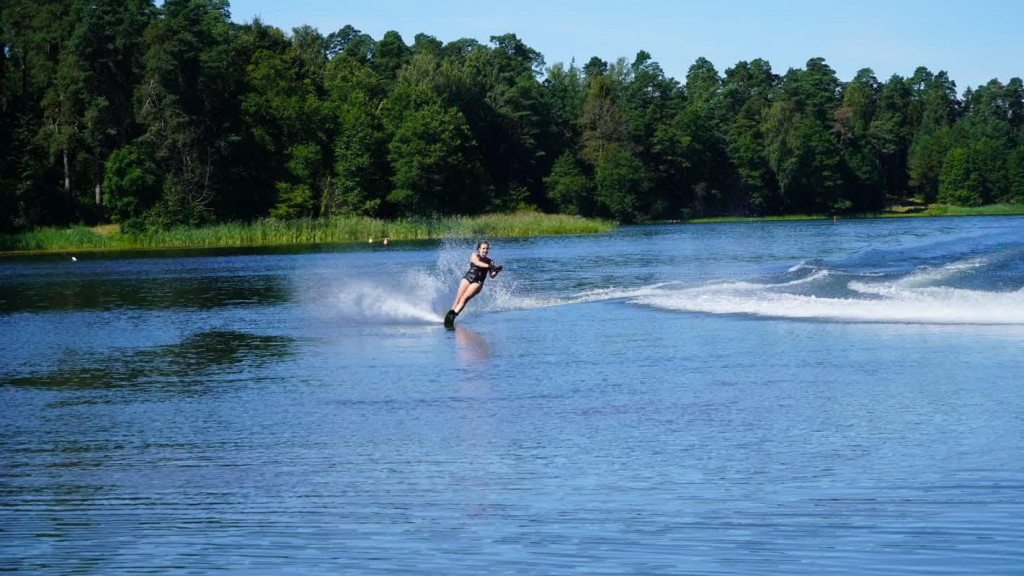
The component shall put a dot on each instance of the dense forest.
(153, 116)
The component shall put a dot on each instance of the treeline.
(154, 117)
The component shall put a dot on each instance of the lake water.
(792, 397)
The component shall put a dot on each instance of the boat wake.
(977, 290)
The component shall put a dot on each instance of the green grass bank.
(931, 210)
(270, 232)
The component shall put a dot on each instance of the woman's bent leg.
(462, 290)
(472, 290)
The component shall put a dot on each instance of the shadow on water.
(97, 293)
(188, 365)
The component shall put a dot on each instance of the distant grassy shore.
(898, 212)
(270, 232)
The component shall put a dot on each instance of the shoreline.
(269, 233)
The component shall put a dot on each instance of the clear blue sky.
(973, 41)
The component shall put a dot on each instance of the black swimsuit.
(477, 274)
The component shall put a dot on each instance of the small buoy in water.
(73, 259)
(371, 240)
(386, 241)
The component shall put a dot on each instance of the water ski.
(449, 319)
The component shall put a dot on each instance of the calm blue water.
(798, 398)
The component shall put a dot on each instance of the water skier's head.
(483, 247)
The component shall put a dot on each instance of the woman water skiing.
(480, 266)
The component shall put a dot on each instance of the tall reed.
(990, 210)
(269, 231)
(56, 239)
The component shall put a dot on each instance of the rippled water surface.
(799, 398)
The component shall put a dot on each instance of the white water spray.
(419, 294)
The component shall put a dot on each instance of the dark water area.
(788, 397)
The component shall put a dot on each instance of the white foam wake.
(512, 299)
(936, 306)
(927, 276)
(913, 299)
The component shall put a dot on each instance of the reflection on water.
(192, 361)
(91, 292)
(471, 346)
